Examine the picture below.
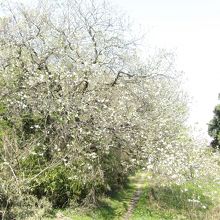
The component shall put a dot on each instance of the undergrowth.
(189, 201)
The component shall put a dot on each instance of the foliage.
(214, 128)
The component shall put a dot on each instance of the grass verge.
(190, 201)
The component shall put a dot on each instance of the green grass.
(112, 207)
(188, 201)
(157, 202)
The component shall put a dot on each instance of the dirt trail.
(140, 185)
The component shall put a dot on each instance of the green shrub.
(56, 184)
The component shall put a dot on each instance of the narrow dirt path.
(136, 196)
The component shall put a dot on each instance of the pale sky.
(191, 28)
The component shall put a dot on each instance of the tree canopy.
(214, 128)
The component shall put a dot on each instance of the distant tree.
(214, 128)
